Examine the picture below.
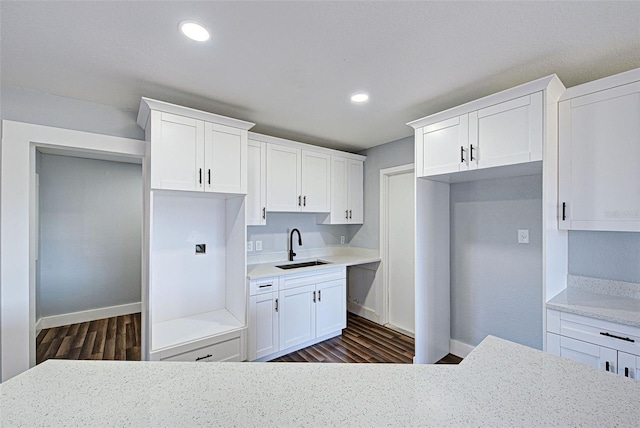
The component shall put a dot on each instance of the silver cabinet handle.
(205, 357)
(264, 213)
(319, 295)
(299, 201)
(276, 305)
(346, 214)
(304, 201)
(350, 212)
(314, 297)
(472, 152)
(461, 154)
(209, 176)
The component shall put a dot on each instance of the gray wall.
(395, 153)
(275, 235)
(496, 283)
(90, 215)
(607, 255)
(24, 105)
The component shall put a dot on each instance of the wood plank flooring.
(362, 341)
(116, 338)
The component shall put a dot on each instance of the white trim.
(303, 146)
(506, 95)
(459, 349)
(364, 312)
(148, 104)
(86, 316)
(602, 84)
(384, 253)
(18, 230)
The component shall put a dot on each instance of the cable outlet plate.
(523, 236)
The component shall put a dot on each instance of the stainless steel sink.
(303, 264)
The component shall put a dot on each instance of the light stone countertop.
(616, 302)
(500, 384)
(346, 257)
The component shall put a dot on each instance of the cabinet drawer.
(603, 333)
(314, 277)
(263, 285)
(229, 350)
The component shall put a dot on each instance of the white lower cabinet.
(294, 311)
(601, 344)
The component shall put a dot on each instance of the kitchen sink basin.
(303, 264)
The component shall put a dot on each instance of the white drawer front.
(603, 333)
(229, 350)
(263, 285)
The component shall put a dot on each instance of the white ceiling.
(290, 67)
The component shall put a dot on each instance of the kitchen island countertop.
(499, 384)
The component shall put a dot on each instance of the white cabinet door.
(628, 365)
(256, 184)
(506, 133)
(264, 325)
(599, 140)
(297, 315)
(177, 152)
(316, 182)
(225, 150)
(444, 146)
(587, 353)
(331, 310)
(283, 178)
(339, 190)
(356, 191)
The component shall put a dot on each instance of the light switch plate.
(523, 236)
(258, 245)
(249, 245)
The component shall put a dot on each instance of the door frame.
(385, 174)
(18, 228)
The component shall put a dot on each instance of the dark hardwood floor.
(116, 338)
(362, 341)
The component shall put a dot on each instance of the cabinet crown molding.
(148, 104)
(303, 146)
(551, 84)
(602, 84)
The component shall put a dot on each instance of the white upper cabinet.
(316, 182)
(355, 187)
(225, 159)
(503, 129)
(297, 179)
(347, 202)
(177, 152)
(444, 146)
(256, 183)
(506, 133)
(283, 178)
(194, 150)
(599, 139)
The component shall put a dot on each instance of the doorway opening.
(397, 247)
(88, 257)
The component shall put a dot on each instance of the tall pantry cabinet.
(196, 297)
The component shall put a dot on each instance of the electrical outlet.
(523, 236)
(342, 239)
(249, 245)
(258, 245)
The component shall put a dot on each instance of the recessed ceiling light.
(359, 98)
(194, 31)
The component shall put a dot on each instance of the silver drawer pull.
(205, 357)
(265, 285)
(617, 337)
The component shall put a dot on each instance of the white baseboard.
(459, 349)
(364, 312)
(85, 316)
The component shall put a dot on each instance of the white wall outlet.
(249, 245)
(342, 239)
(523, 236)
(258, 245)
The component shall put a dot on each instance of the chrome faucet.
(291, 253)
